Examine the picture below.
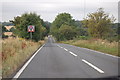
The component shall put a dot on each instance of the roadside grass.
(15, 52)
(96, 44)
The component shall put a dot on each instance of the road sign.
(31, 28)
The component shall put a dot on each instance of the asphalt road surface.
(55, 60)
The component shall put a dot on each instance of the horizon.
(48, 10)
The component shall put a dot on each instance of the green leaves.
(98, 23)
(22, 23)
(67, 32)
(63, 18)
(66, 28)
(63, 27)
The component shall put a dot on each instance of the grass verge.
(96, 44)
(15, 52)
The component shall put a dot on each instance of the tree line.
(95, 25)
(64, 27)
(22, 22)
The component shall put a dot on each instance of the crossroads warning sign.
(31, 28)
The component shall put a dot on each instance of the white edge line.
(99, 70)
(26, 64)
(72, 53)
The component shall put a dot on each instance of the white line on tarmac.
(69, 51)
(26, 64)
(72, 53)
(65, 49)
(94, 67)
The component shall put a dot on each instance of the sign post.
(31, 28)
(31, 35)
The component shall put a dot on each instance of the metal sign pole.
(31, 28)
(31, 35)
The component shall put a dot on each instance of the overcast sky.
(48, 9)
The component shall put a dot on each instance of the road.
(55, 60)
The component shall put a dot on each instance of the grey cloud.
(48, 10)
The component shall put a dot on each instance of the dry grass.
(96, 44)
(15, 52)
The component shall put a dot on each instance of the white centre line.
(72, 53)
(26, 64)
(65, 49)
(59, 46)
(68, 50)
(96, 68)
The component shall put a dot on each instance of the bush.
(15, 52)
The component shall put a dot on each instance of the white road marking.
(26, 64)
(61, 47)
(69, 51)
(58, 45)
(65, 49)
(72, 53)
(96, 68)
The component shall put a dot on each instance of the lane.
(54, 62)
(108, 64)
(66, 61)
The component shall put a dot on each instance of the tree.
(22, 23)
(3, 30)
(63, 27)
(67, 32)
(98, 23)
(47, 25)
(63, 18)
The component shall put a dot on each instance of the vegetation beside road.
(15, 52)
(96, 44)
(18, 47)
(96, 25)
(97, 31)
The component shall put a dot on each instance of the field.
(15, 52)
(96, 44)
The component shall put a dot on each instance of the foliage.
(63, 18)
(4, 30)
(47, 25)
(67, 32)
(15, 51)
(64, 27)
(96, 44)
(22, 22)
(98, 24)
